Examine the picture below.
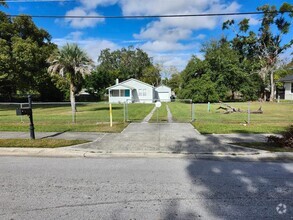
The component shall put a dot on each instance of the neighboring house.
(163, 93)
(133, 90)
(288, 87)
(84, 96)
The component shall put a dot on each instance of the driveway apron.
(161, 137)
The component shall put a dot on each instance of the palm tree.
(72, 63)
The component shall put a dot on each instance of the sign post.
(248, 113)
(111, 123)
(32, 128)
(158, 105)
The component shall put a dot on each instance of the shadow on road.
(234, 190)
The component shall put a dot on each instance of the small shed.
(163, 93)
(288, 87)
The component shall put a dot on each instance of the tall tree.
(72, 63)
(221, 73)
(151, 75)
(225, 67)
(268, 45)
(124, 63)
(175, 82)
(97, 82)
(24, 51)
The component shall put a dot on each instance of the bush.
(286, 140)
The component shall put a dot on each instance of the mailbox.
(24, 111)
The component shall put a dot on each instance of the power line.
(35, 1)
(150, 16)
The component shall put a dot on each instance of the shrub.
(286, 140)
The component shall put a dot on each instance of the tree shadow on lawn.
(104, 108)
(240, 132)
(50, 106)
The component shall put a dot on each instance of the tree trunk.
(272, 86)
(72, 101)
(233, 95)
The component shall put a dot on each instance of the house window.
(140, 92)
(144, 92)
(127, 93)
(114, 93)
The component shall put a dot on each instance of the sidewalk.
(72, 153)
(88, 136)
(150, 140)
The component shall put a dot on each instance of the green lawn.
(39, 143)
(160, 114)
(95, 117)
(90, 117)
(181, 112)
(275, 118)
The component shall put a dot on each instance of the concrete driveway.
(162, 137)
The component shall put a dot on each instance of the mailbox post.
(32, 128)
(28, 111)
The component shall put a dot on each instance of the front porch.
(120, 94)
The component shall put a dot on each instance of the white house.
(163, 93)
(288, 87)
(131, 90)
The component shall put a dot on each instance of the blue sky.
(170, 41)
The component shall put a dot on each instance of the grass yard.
(137, 112)
(95, 117)
(39, 143)
(160, 114)
(58, 118)
(181, 112)
(276, 117)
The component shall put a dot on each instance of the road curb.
(48, 152)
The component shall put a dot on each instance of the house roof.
(131, 79)
(120, 85)
(163, 86)
(286, 78)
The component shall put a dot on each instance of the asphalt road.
(143, 188)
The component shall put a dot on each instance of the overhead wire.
(34, 1)
(149, 16)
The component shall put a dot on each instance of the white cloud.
(175, 29)
(200, 36)
(160, 46)
(155, 7)
(93, 46)
(158, 31)
(254, 21)
(179, 60)
(75, 35)
(82, 22)
(92, 4)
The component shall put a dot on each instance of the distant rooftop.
(287, 78)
